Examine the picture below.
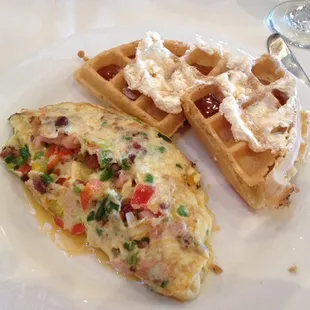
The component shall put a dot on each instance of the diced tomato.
(59, 222)
(24, 169)
(78, 229)
(55, 153)
(61, 181)
(91, 188)
(142, 194)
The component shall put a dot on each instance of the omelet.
(122, 183)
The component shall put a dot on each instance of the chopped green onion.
(144, 134)
(162, 149)
(101, 212)
(160, 135)
(91, 216)
(127, 138)
(164, 283)
(129, 246)
(133, 259)
(38, 155)
(10, 159)
(179, 166)
(149, 178)
(106, 158)
(137, 120)
(24, 153)
(182, 211)
(46, 178)
(104, 123)
(76, 189)
(99, 231)
(113, 206)
(125, 164)
(106, 174)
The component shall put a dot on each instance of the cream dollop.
(159, 74)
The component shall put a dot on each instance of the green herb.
(112, 206)
(137, 120)
(24, 153)
(76, 189)
(105, 208)
(182, 211)
(10, 159)
(46, 178)
(91, 216)
(127, 138)
(133, 259)
(106, 174)
(99, 231)
(149, 178)
(104, 123)
(129, 246)
(179, 166)
(160, 135)
(125, 164)
(144, 134)
(101, 213)
(106, 158)
(162, 149)
(164, 283)
(38, 155)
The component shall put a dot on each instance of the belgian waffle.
(249, 172)
(110, 86)
(113, 87)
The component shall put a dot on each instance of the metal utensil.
(279, 49)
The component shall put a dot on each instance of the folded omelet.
(123, 184)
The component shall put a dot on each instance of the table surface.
(27, 26)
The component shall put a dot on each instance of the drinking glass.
(292, 20)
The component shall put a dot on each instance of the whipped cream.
(159, 74)
(257, 124)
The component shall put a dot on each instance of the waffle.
(246, 170)
(113, 88)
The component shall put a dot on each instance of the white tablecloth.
(29, 25)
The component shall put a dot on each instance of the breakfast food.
(250, 121)
(103, 76)
(123, 184)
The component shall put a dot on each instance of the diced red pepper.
(91, 188)
(51, 150)
(24, 169)
(142, 194)
(61, 181)
(55, 153)
(78, 229)
(59, 222)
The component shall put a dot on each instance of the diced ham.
(9, 150)
(146, 214)
(68, 141)
(91, 162)
(39, 185)
(125, 208)
(177, 228)
(121, 180)
(121, 266)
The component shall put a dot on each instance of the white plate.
(255, 249)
